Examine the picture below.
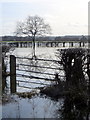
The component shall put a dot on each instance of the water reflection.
(36, 107)
(76, 104)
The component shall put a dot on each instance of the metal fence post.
(12, 73)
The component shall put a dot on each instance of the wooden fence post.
(12, 73)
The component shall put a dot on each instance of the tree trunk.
(34, 46)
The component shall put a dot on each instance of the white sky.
(66, 17)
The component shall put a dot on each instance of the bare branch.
(33, 25)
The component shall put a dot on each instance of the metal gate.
(33, 73)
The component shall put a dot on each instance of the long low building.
(47, 38)
(80, 41)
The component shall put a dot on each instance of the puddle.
(36, 107)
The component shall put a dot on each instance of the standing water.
(37, 106)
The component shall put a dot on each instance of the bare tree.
(33, 26)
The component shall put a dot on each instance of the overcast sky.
(66, 17)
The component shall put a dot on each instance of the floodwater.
(38, 106)
(42, 52)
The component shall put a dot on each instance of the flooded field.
(41, 53)
(37, 106)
